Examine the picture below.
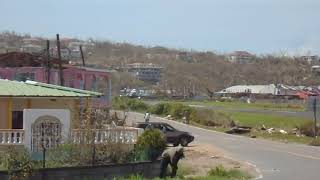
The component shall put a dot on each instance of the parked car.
(173, 135)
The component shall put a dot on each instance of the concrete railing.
(11, 136)
(124, 135)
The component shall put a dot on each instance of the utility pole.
(60, 61)
(48, 62)
(315, 116)
(82, 57)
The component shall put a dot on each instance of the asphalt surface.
(273, 160)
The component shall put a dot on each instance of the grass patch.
(286, 138)
(243, 105)
(217, 173)
(257, 120)
(315, 142)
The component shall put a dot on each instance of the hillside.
(189, 71)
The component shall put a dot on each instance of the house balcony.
(11, 136)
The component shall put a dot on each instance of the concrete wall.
(32, 115)
(146, 169)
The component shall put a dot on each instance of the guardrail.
(11, 136)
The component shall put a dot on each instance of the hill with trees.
(188, 71)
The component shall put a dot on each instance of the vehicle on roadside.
(173, 136)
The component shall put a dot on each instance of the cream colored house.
(35, 115)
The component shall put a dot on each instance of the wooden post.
(60, 61)
(28, 103)
(82, 57)
(48, 62)
(10, 113)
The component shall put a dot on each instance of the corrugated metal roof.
(255, 89)
(35, 89)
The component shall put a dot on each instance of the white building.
(241, 57)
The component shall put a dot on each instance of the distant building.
(250, 89)
(25, 66)
(313, 59)
(147, 72)
(185, 56)
(31, 48)
(241, 57)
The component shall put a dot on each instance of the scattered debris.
(270, 130)
(239, 130)
(232, 124)
(263, 127)
(283, 131)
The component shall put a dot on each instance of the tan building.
(37, 115)
(29, 110)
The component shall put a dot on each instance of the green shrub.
(208, 117)
(218, 171)
(177, 110)
(152, 142)
(18, 163)
(125, 103)
(161, 109)
(66, 155)
(221, 172)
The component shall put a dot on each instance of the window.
(17, 120)
(169, 128)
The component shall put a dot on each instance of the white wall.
(31, 115)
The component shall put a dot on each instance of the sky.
(258, 26)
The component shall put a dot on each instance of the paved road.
(275, 161)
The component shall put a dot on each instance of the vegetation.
(211, 118)
(307, 128)
(188, 72)
(256, 105)
(18, 163)
(217, 173)
(268, 120)
(126, 103)
(176, 110)
(315, 142)
(199, 116)
(150, 145)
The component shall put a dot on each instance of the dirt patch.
(200, 158)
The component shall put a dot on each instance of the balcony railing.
(123, 135)
(11, 136)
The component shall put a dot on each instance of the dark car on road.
(173, 135)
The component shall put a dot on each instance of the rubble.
(270, 130)
(239, 130)
(283, 131)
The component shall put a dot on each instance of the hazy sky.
(260, 26)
